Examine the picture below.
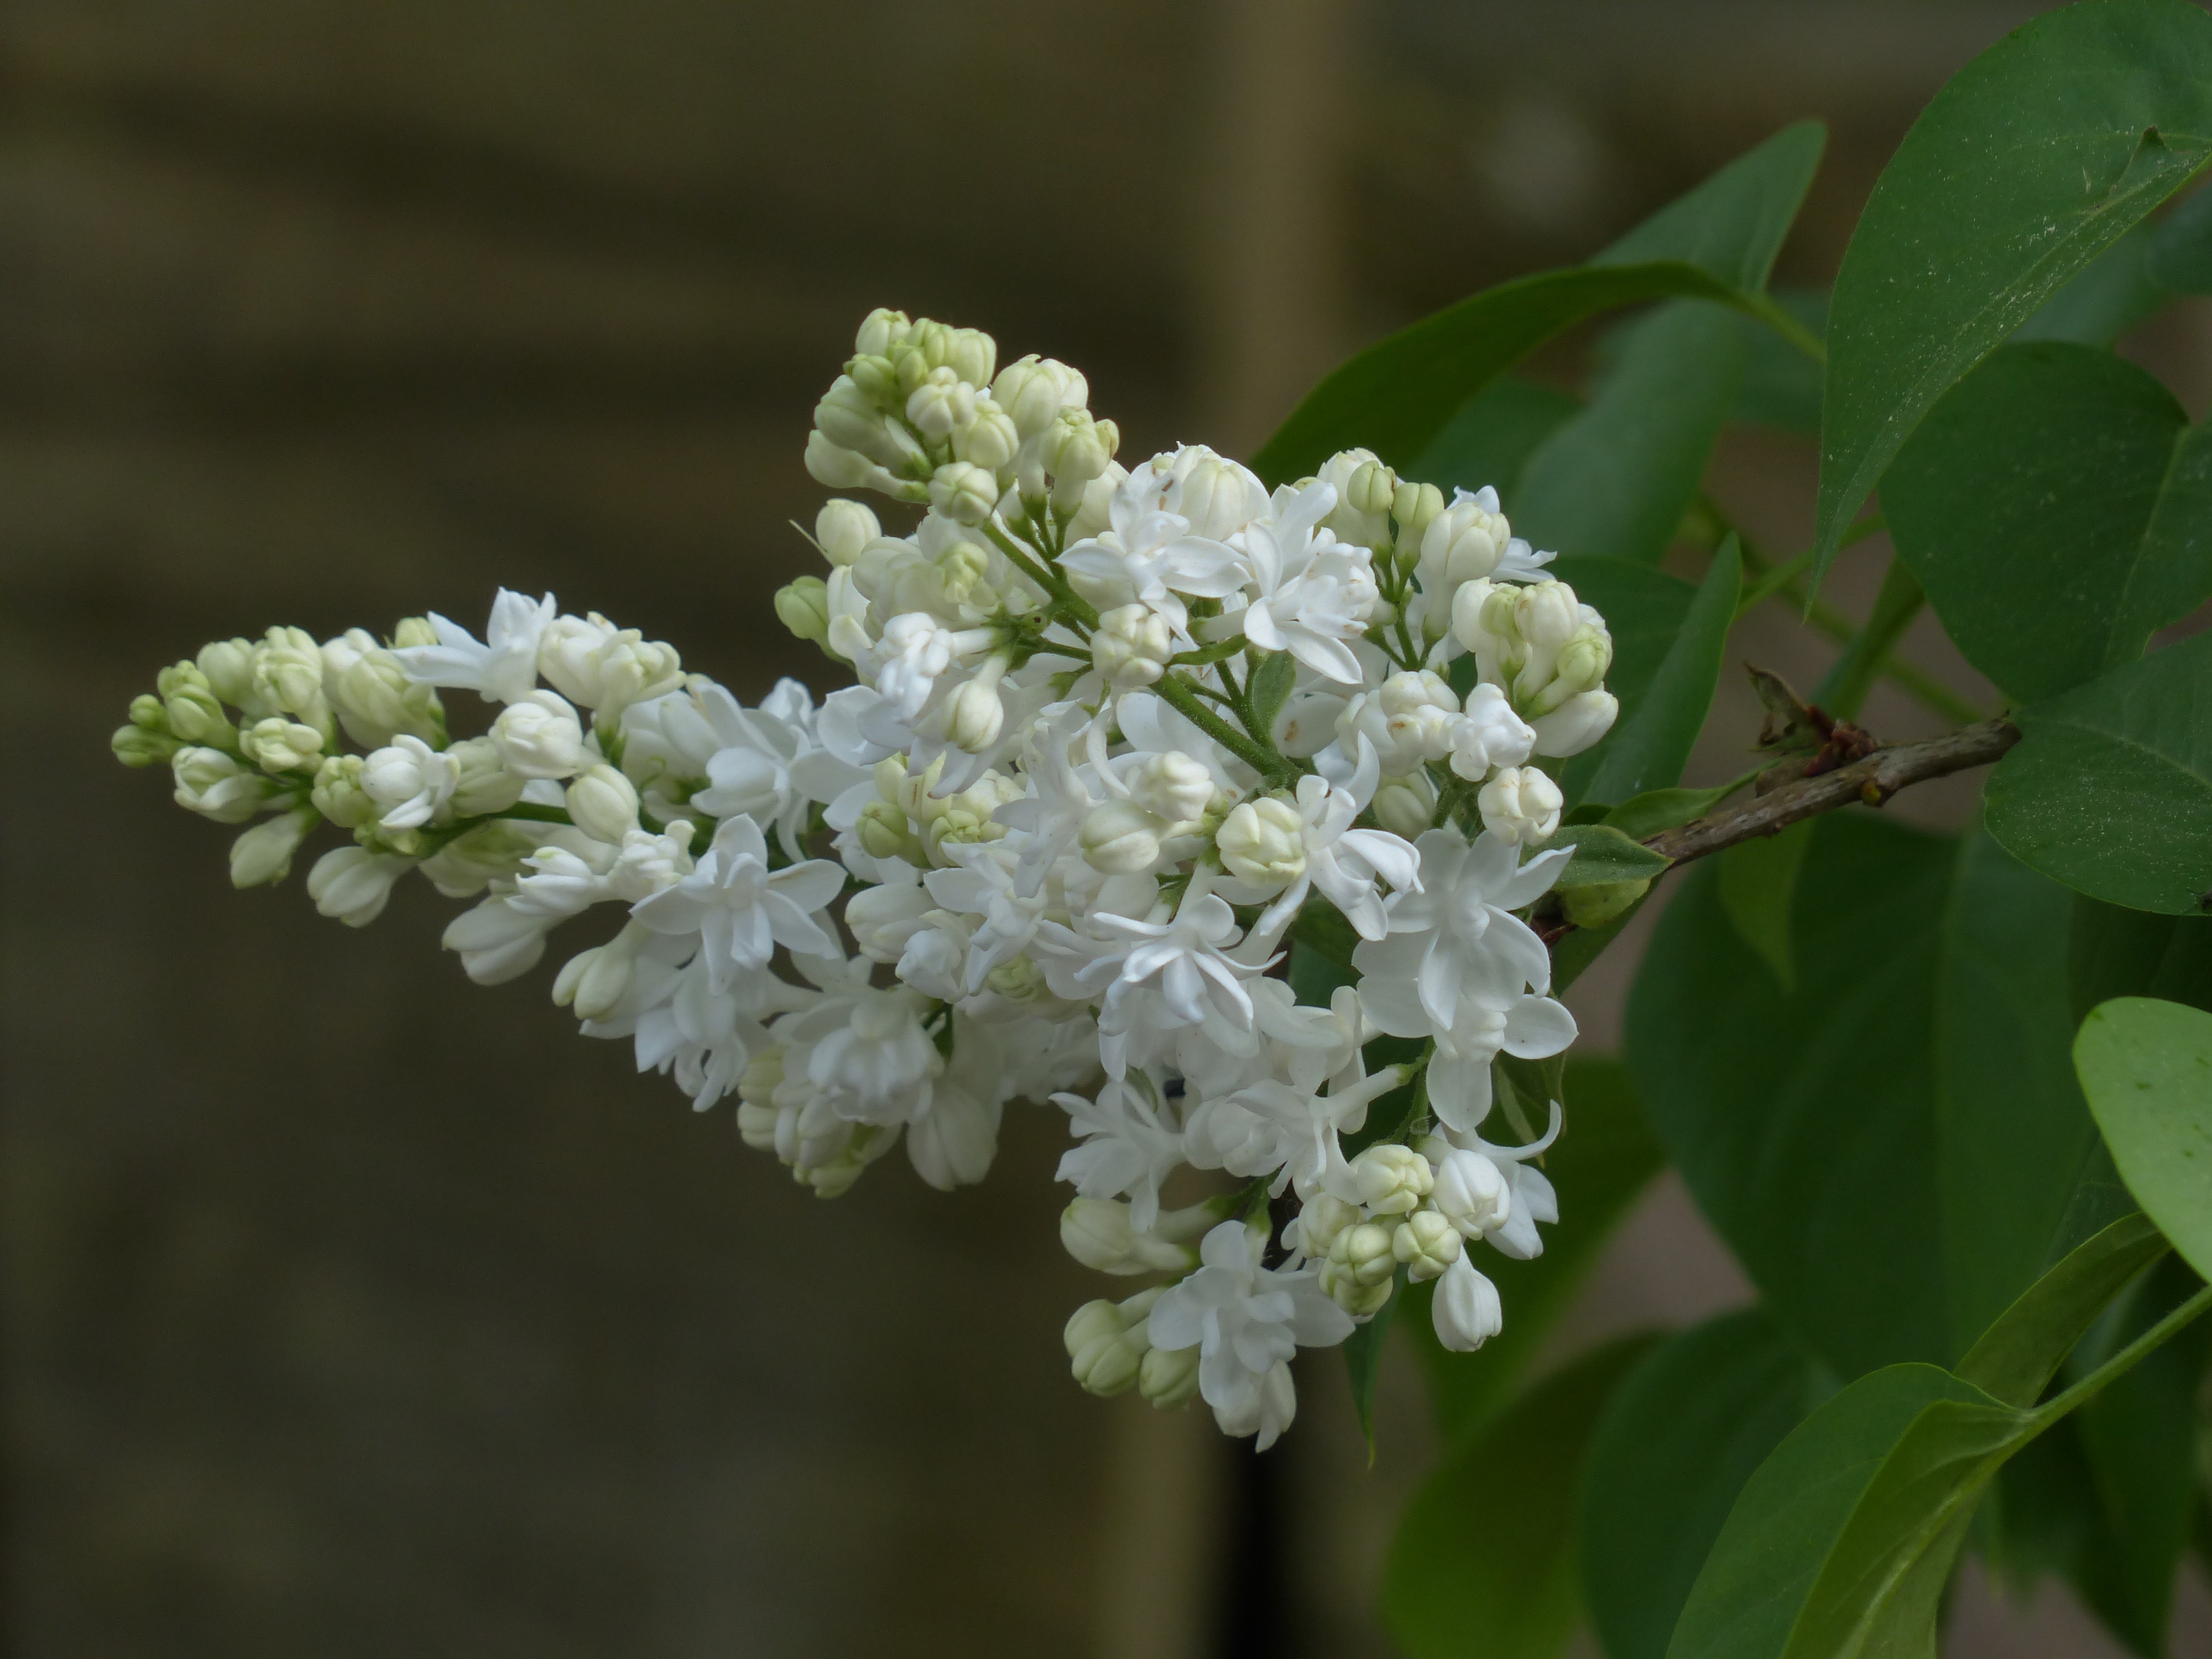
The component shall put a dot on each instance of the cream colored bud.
(1075, 450)
(540, 737)
(215, 786)
(227, 667)
(942, 403)
(1096, 1232)
(1576, 724)
(1171, 786)
(603, 803)
(288, 673)
(1405, 806)
(263, 855)
(277, 744)
(1426, 1244)
(884, 831)
(1373, 490)
(1415, 506)
(338, 794)
(1391, 1179)
(1263, 842)
(1322, 1218)
(842, 528)
(1131, 647)
(1469, 1191)
(594, 981)
(1581, 664)
(1521, 805)
(1034, 389)
(1169, 1377)
(882, 332)
(1360, 1269)
(964, 493)
(482, 781)
(974, 716)
(1120, 838)
(351, 884)
(139, 745)
(194, 712)
(987, 438)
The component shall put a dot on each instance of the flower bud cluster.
(1111, 733)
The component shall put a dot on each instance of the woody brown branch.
(1872, 780)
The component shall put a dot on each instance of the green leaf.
(1658, 726)
(2113, 292)
(2118, 952)
(1492, 436)
(2023, 1348)
(2110, 787)
(1483, 1563)
(1363, 1359)
(2015, 1143)
(2181, 247)
(1270, 687)
(1732, 224)
(2056, 506)
(1603, 854)
(1616, 479)
(1759, 889)
(1606, 1157)
(2138, 1439)
(1397, 396)
(2147, 1068)
(1842, 1540)
(1826, 1188)
(1782, 384)
(1657, 809)
(1584, 946)
(2038, 156)
(1680, 1436)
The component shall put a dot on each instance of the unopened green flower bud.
(1521, 805)
(803, 607)
(1426, 1243)
(1373, 490)
(137, 745)
(227, 667)
(195, 712)
(1106, 1343)
(843, 528)
(1581, 664)
(1392, 1180)
(963, 492)
(215, 786)
(1119, 838)
(277, 744)
(351, 884)
(483, 783)
(412, 631)
(338, 794)
(882, 332)
(884, 833)
(941, 405)
(1360, 1269)
(1322, 1218)
(1405, 806)
(987, 438)
(287, 674)
(1033, 390)
(1131, 647)
(263, 855)
(1415, 506)
(1169, 1377)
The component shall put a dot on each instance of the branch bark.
(1872, 780)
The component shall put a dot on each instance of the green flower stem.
(1080, 608)
(1180, 697)
(1777, 317)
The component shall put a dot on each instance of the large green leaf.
(1885, 1214)
(2113, 292)
(2056, 506)
(1616, 479)
(2147, 1068)
(2181, 247)
(2014, 1140)
(2110, 787)
(1659, 722)
(1491, 439)
(1716, 243)
(1679, 1437)
(2119, 952)
(2037, 157)
(1824, 1184)
(1483, 1565)
(1732, 224)
(2138, 1439)
(1758, 889)
(1606, 1157)
(1842, 1542)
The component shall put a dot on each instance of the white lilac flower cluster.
(1117, 735)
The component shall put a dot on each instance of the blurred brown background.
(351, 1311)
